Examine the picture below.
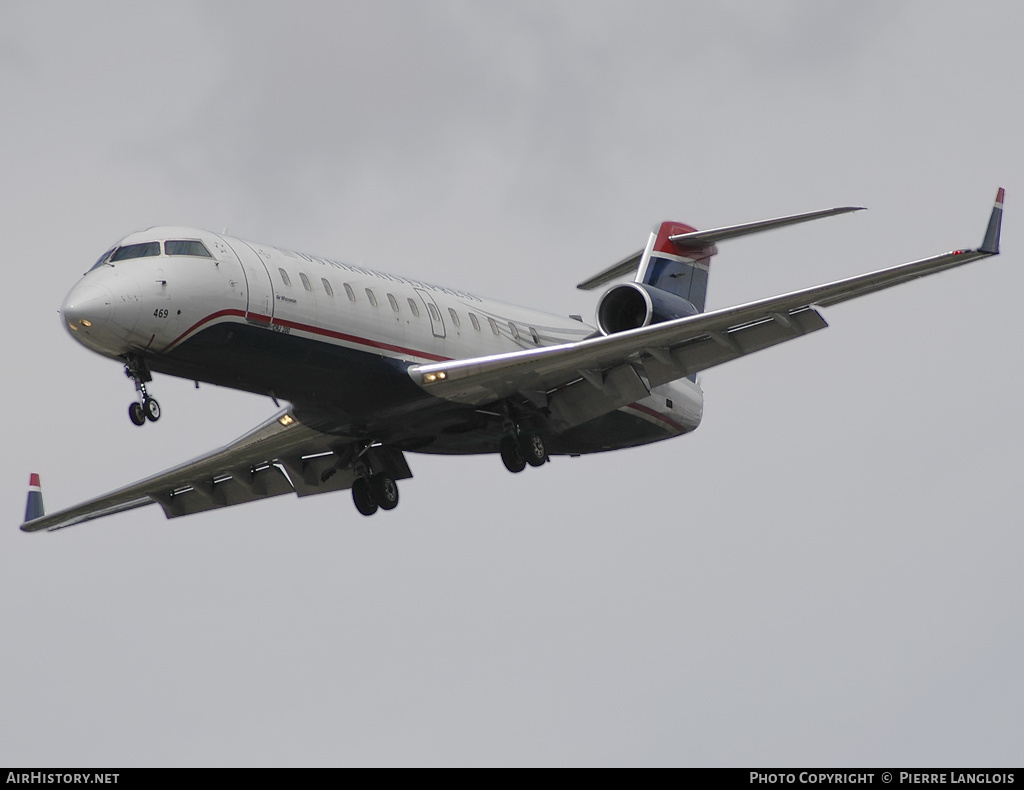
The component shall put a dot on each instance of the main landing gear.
(146, 408)
(521, 448)
(377, 491)
(374, 486)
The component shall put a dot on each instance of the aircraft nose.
(87, 305)
(86, 313)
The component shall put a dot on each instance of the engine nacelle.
(632, 305)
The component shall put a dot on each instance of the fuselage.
(332, 338)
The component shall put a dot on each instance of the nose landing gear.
(146, 408)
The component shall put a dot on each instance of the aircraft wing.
(579, 381)
(280, 456)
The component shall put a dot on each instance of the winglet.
(34, 506)
(995, 222)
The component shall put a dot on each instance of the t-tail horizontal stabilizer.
(698, 239)
(34, 506)
(702, 238)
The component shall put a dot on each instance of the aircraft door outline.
(260, 295)
(436, 321)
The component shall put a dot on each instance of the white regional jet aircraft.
(374, 366)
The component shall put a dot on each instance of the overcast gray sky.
(826, 573)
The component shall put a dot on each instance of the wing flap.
(241, 487)
(707, 352)
(591, 396)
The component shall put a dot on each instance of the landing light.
(86, 322)
(286, 420)
(73, 327)
(430, 378)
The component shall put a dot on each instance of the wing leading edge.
(625, 365)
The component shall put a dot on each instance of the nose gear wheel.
(151, 409)
(136, 413)
(146, 408)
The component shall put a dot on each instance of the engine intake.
(632, 305)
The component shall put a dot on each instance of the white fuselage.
(156, 304)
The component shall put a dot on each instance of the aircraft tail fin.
(34, 506)
(680, 269)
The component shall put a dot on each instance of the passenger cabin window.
(327, 286)
(394, 302)
(284, 277)
(454, 315)
(512, 328)
(433, 311)
(494, 326)
(305, 282)
(414, 308)
(186, 247)
(371, 297)
(148, 249)
(350, 292)
(474, 322)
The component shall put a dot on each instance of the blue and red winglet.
(995, 222)
(34, 506)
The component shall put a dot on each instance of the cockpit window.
(102, 260)
(187, 247)
(145, 250)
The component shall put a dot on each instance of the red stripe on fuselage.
(361, 341)
(658, 416)
(263, 319)
(200, 322)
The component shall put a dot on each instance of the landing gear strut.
(146, 408)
